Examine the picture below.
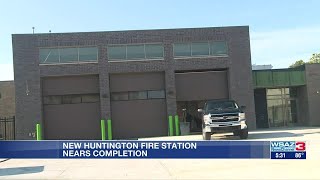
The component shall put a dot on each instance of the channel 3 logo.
(288, 146)
(300, 146)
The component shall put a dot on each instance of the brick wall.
(313, 93)
(28, 73)
(7, 99)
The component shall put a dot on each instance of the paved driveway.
(179, 169)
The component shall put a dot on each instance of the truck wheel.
(206, 136)
(243, 134)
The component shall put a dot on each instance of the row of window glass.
(68, 55)
(215, 48)
(71, 99)
(133, 52)
(137, 95)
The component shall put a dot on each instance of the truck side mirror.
(242, 107)
(200, 110)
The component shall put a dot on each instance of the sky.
(281, 31)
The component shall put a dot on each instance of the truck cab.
(222, 116)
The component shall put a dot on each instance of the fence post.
(103, 130)
(177, 125)
(38, 130)
(170, 126)
(109, 129)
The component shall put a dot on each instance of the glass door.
(275, 112)
(282, 109)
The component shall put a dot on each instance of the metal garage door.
(195, 86)
(138, 105)
(71, 107)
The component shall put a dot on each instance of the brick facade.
(312, 94)
(28, 72)
(7, 99)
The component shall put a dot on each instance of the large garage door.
(196, 86)
(71, 107)
(138, 105)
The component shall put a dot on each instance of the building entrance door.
(281, 108)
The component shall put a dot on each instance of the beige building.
(7, 99)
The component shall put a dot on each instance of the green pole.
(170, 126)
(103, 130)
(38, 131)
(109, 129)
(177, 124)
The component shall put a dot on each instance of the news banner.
(154, 149)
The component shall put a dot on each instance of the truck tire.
(243, 134)
(206, 136)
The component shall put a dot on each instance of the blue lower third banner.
(288, 155)
(135, 149)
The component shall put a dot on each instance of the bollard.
(177, 125)
(170, 126)
(103, 130)
(109, 129)
(38, 131)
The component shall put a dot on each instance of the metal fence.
(7, 128)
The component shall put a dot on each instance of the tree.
(315, 58)
(297, 63)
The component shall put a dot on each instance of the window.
(154, 51)
(120, 96)
(278, 93)
(156, 94)
(220, 105)
(52, 100)
(48, 56)
(71, 99)
(135, 52)
(274, 92)
(218, 48)
(88, 54)
(200, 49)
(117, 52)
(68, 55)
(138, 95)
(182, 49)
(90, 98)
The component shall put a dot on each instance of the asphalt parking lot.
(179, 169)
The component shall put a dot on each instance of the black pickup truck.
(223, 116)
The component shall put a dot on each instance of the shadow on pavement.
(311, 133)
(20, 170)
(263, 135)
(273, 135)
(4, 160)
(284, 128)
